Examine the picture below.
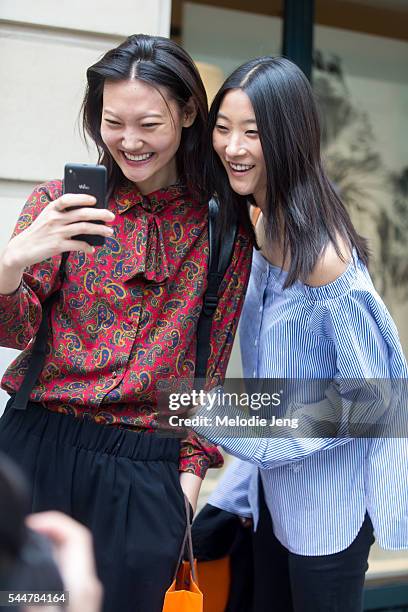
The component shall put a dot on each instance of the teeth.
(142, 157)
(240, 167)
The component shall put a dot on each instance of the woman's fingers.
(72, 199)
(82, 227)
(79, 207)
(76, 245)
(87, 213)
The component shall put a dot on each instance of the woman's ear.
(189, 113)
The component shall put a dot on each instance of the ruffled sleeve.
(350, 318)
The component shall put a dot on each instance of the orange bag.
(183, 595)
(215, 580)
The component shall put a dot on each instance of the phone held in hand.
(89, 179)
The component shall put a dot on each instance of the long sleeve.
(20, 312)
(355, 329)
(226, 317)
(197, 454)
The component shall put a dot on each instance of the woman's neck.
(260, 200)
(272, 250)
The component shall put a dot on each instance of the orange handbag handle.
(184, 596)
(189, 541)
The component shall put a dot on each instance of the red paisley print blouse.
(127, 314)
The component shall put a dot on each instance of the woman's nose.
(234, 147)
(132, 141)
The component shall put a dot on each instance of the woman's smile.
(239, 169)
(137, 159)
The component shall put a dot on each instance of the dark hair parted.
(159, 62)
(303, 211)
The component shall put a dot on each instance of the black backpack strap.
(219, 259)
(37, 358)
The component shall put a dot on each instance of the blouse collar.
(127, 197)
(150, 260)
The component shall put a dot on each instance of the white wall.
(45, 49)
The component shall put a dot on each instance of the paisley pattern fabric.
(127, 314)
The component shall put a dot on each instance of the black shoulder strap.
(220, 254)
(37, 358)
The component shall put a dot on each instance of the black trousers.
(123, 485)
(286, 582)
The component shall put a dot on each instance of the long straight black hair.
(303, 210)
(159, 62)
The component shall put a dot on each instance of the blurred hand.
(73, 548)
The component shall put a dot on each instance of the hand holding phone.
(72, 222)
(90, 180)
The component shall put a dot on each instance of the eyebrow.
(145, 116)
(221, 116)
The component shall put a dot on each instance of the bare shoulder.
(330, 266)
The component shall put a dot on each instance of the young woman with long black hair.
(311, 313)
(125, 318)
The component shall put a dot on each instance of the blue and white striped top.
(318, 489)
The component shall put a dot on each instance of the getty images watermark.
(299, 408)
(220, 399)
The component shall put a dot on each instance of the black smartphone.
(91, 180)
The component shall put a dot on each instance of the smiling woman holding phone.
(125, 316)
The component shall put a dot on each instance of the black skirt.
(123, 485)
